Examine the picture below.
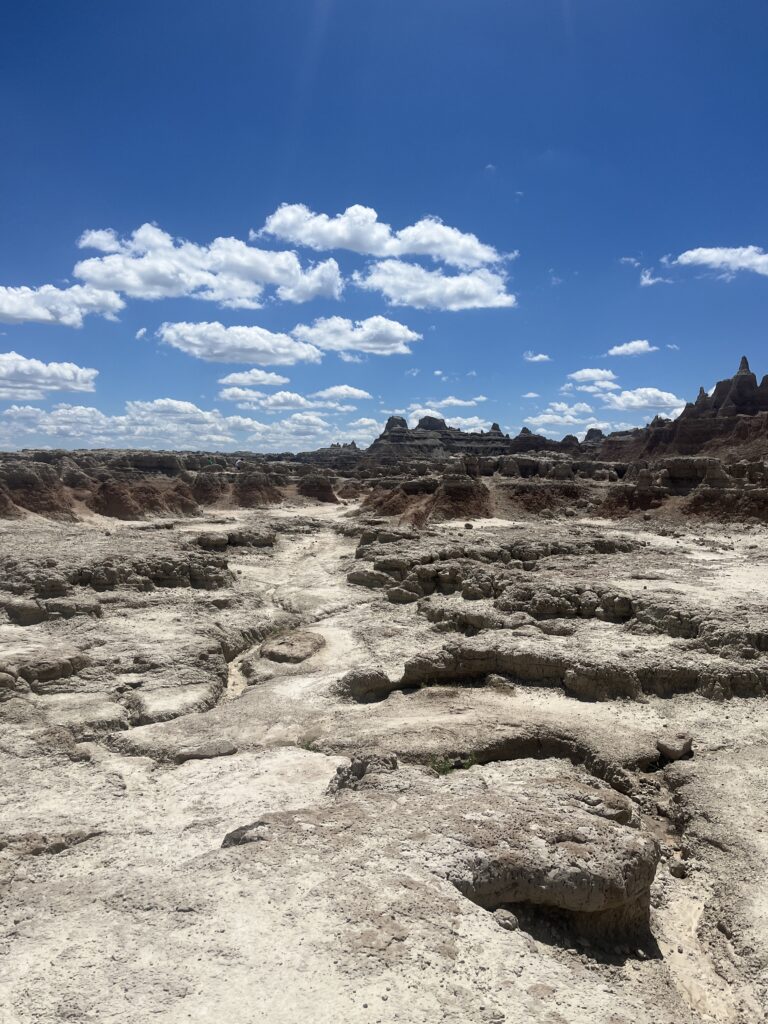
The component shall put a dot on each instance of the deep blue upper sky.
(578, 133)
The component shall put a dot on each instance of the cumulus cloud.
(531, 394)
(50, 305)
(260, 377)
(591, 374)
(728, 260)
(216, 343)
(536, 357)
(599, 387)
(644, 398)
(168, 423)
(632, 348)
(151, 264)
(359, 229)
(341, 391)
(406, 284)
(560, 417)
(29, 380)
(377, 335)
(281, 401)
(471, 423)
(247, 397)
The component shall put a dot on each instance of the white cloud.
(629, 261)
(644, 398)
(531, 394)
(248, 377)
(727, 260)
(29, 380)
(359, 230)
(598, 388)
(50, 305)
(560, 414)
(536, 357)
(632, 348)
(169, 423)
(673, 348)
(406, 284)
(365, 429)
(342, 391)
(151, 264)
(413, 372)
(592, 375)
(451, 401)
(247, 397)
(647, 279)
(281, 401)
(470, 423)
(377, 335)
(216, 343)
(141, 334)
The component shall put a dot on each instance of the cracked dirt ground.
(472, 801)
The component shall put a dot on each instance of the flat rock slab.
(205, 751)
(293, 647)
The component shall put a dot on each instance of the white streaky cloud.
(728, 260)
(342, 391)
(591, 375)
(451, 401)
(216, 343)
(375, 336)
(536, 357)
(643, 398)
(632, 348)
(673, 348)
(359, 230)
(151, 264)
(50, 305)
(629, 261)
(29, 380)
(141, 334)
(407, 284)
(531, 394)
(647, 280)
(262, 378)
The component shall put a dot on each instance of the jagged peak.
(743, 366)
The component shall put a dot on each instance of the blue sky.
(445, 186)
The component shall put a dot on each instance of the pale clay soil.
(121, 781)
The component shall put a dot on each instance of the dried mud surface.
(307, 762)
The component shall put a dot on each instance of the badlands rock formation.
(458, 728)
